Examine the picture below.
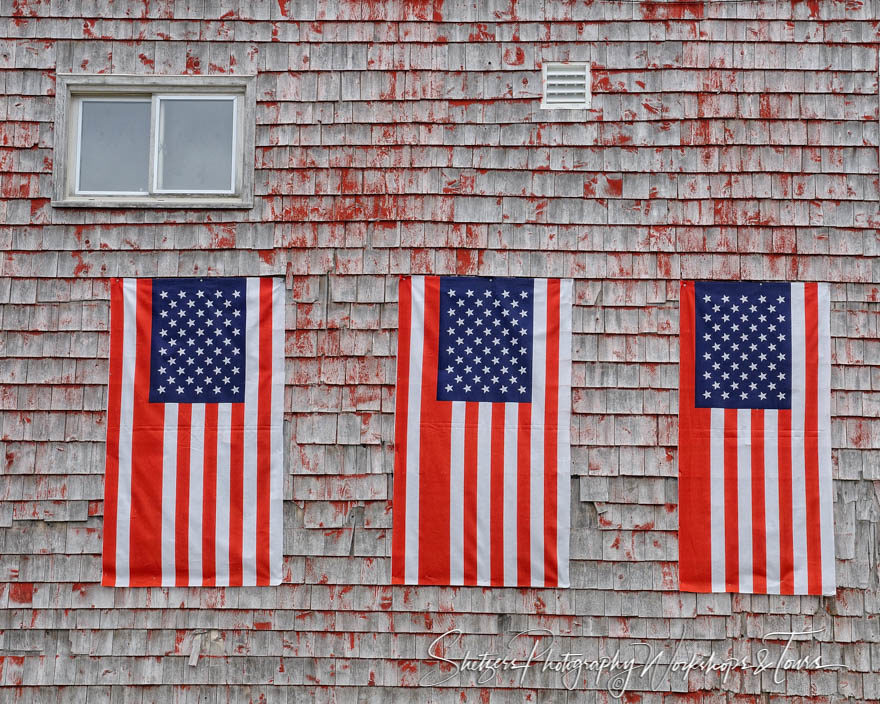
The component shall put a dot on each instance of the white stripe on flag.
(771, 498)
(798, 414)
(126, 422)
(563, 445)
(276, 452)
(716, 499)
(484, 493)
(221, 538)
(744, 497)
(456, 494)
(169, 494)
(539, 374)
(196, 487)
(251, 406)
(826, 495)
(413, 429)
(511, 426)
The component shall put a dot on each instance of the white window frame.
(73, 90)
(566, 106)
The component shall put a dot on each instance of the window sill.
(227, 202)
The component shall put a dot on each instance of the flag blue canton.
(198, 341)
(485, 339)
(743, 345)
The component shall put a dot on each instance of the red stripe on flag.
(471, 434)
(786, 531)
(209, 498)
(145, 546)
(114, 410)
(398, 534)
(264, 429)
(811, 438)
(759, 526)
(523, 496)
(551, 432)
(181, 520)
(434, 453)
(731, 501)
(236, 494)
(496, 501)
(695, 537)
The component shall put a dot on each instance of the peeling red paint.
(25, 8)
(21, 592)
(81, 267)
(423, 10)
(601, 82)
(179, 637)
(812, 5)
(481, 33)
(615, 186)
(193, 64)
(514, 56)
(222, 236)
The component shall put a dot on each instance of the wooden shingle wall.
(726, 140)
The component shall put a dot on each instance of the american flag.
(193, 486)
(482, 432)
(755, 493)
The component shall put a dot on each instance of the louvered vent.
(566, 85)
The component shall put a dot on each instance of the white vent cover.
(566, 86)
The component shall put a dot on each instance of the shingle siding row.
(725, 140)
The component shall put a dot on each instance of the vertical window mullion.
(78, 145)
(154, 145)
(233, 185)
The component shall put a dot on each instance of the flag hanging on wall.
(482, 432)
(755, 494)
(193, 487)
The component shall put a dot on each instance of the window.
(566, 86)
(154, 141)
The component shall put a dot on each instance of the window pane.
(196, 144)
(115, 146)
